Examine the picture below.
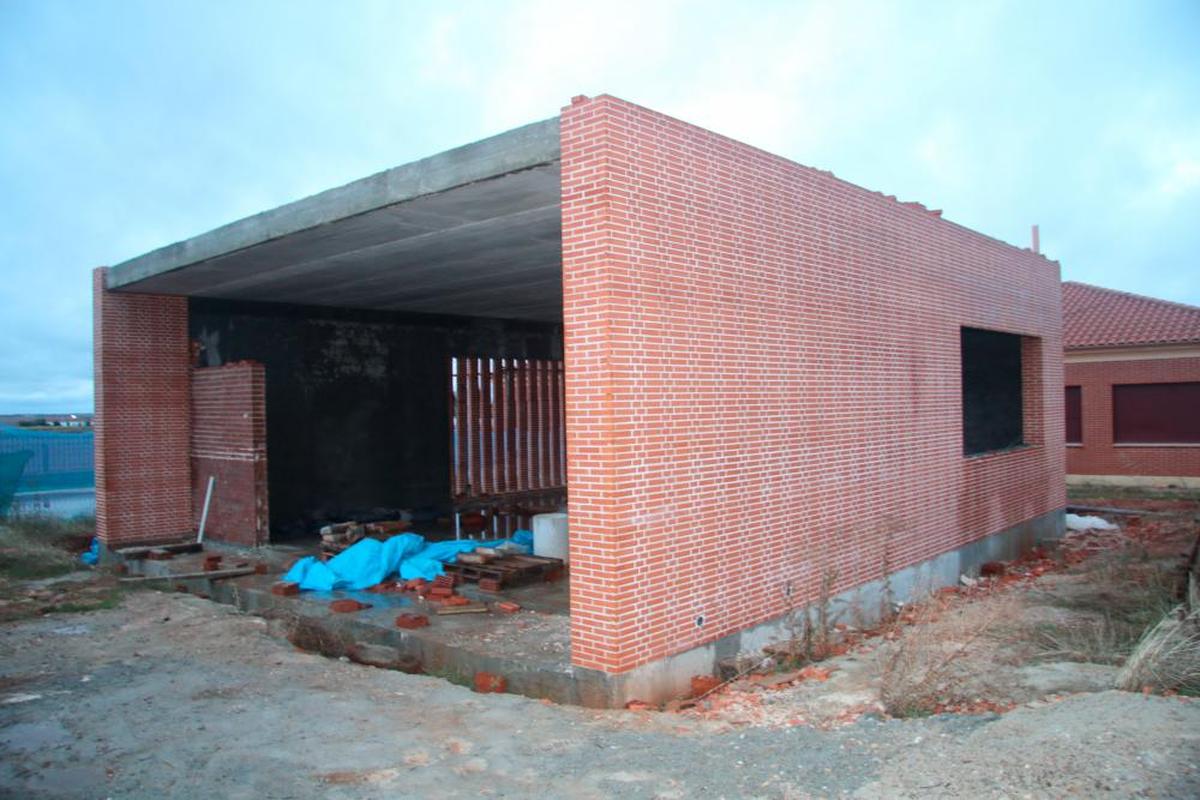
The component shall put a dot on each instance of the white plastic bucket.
(550, 535)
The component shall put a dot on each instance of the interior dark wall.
(357, 401)
(993, 417)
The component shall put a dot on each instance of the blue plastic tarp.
(91, 556)
(370, 561)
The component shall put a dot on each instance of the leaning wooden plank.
(213, 575)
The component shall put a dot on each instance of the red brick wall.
(140, 347)
(1097, 455)
(763, 383)
(229, 442)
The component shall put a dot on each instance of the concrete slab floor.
(529, 648)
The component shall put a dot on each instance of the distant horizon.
(8, 414)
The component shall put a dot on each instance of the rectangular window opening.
(1156, 413)
(1074, 414)
(992, 401)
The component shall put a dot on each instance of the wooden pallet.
(514, 570)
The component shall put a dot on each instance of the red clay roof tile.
(1098, 317)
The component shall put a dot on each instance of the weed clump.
(33, 548)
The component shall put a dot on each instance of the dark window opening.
(1074, 414)
(991, 391)
(1156, 413)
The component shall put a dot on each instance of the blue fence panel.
(46, 461)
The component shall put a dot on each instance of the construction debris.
(411, 621)
(1132, 512)
(1078, 523)
(703, 684)
(337, 537)
(370, 561)
(347, 606)
(506, 571)
(464, 608)
(486, 682)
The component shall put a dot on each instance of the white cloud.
(944, 152)
(1181, 177)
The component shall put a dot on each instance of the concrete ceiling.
(474, 231)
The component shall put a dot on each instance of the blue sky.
(129, 125)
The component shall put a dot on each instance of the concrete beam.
(516, 150)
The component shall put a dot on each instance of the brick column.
(142, 385)
(604, 608)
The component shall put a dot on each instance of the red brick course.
(229, 442)
(142, 427)
(763, 383)
(1097, 455)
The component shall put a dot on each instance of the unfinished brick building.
(1132, 367)
(773, 378)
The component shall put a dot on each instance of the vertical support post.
(487, 462)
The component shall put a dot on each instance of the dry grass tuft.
(1119, 595)
(42, 547)
(1167, 659)
(924, 668)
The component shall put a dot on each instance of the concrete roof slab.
(476, 230)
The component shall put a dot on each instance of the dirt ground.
(173, 696)
(167, 695)
(1055, 623)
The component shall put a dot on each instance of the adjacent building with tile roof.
(1097, 317)
(1132, 372)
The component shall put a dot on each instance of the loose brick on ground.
(487, 683)
(347, 606)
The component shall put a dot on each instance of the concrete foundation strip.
(213, 575)
(142, 552)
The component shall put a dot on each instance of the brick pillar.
(605, 607)
(142, 384)
(229, 444)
